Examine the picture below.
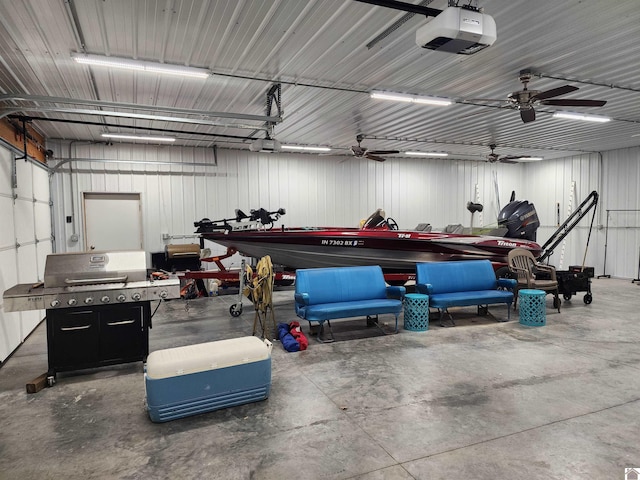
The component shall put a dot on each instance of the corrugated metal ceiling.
(317, 49)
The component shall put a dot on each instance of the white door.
(112, 221)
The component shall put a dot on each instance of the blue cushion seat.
(463, 283)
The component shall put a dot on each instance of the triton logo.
(502, 243)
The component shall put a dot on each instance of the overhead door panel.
(25, 240)
(10, 331)
(7, 232)
(43, 221)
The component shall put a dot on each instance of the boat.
(378, 241)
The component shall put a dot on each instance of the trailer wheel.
(588, 298)
(235, 310)
(567, 296)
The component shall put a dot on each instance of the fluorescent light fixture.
(308, 149)
(427, 154)
(120, 136)
(140, 65)
(398, 97)
(528, 159)
(579, 116)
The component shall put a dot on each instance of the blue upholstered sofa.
(463, 283)
(324, 294)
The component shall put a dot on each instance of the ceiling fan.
(525, 99)
(494, 157)
(361, 152)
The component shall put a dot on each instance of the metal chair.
(531, 274)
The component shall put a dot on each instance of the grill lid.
(91, 268)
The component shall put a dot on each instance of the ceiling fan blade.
(509, 159)
(568, 102)
(375, 158)
(527, 115)
(383, 152)
(555, 92)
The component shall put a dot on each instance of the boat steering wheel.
(391, 223)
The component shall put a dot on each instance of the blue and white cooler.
(200, 378)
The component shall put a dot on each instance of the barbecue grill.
(98, 307)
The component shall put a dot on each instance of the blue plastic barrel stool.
(533, 311)
(416, 312)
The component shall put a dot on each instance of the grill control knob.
(71, 302)
(121, 297)
(105, 299)
(55, 303)
(88, 300)
(136, 296)
(164, 294)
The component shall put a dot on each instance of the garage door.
(25, 240)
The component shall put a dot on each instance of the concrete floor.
(483, 400)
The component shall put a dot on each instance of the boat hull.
(393, 250)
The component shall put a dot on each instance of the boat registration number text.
(342, 243)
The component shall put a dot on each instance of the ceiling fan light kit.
(399, 97)
(139, 65)
(580, 116)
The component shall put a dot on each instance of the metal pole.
(606, 239)
(637, 279)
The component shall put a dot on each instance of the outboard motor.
(520, 219)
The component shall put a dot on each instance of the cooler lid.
(203, 357)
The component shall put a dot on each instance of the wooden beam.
(13, 134)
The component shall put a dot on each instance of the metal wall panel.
(335, 190)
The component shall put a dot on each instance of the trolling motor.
(261, 215)
(473, 208)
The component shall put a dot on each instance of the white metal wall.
(327, 190)
(25, 241)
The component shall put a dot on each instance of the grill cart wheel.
(567, 296)
(588, 298)
(235, 310)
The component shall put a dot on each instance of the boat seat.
(423, 227)
(457, 228)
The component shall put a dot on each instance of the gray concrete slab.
(483, 400)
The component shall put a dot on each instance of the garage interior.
(104, 158)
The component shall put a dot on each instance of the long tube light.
(121, 136)
(139, 65)
(579, 116)
(427, 154)
(305, 148)
(398, 97)
(529, 159)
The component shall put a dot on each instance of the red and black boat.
(377, 242)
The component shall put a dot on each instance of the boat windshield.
(376, 221)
